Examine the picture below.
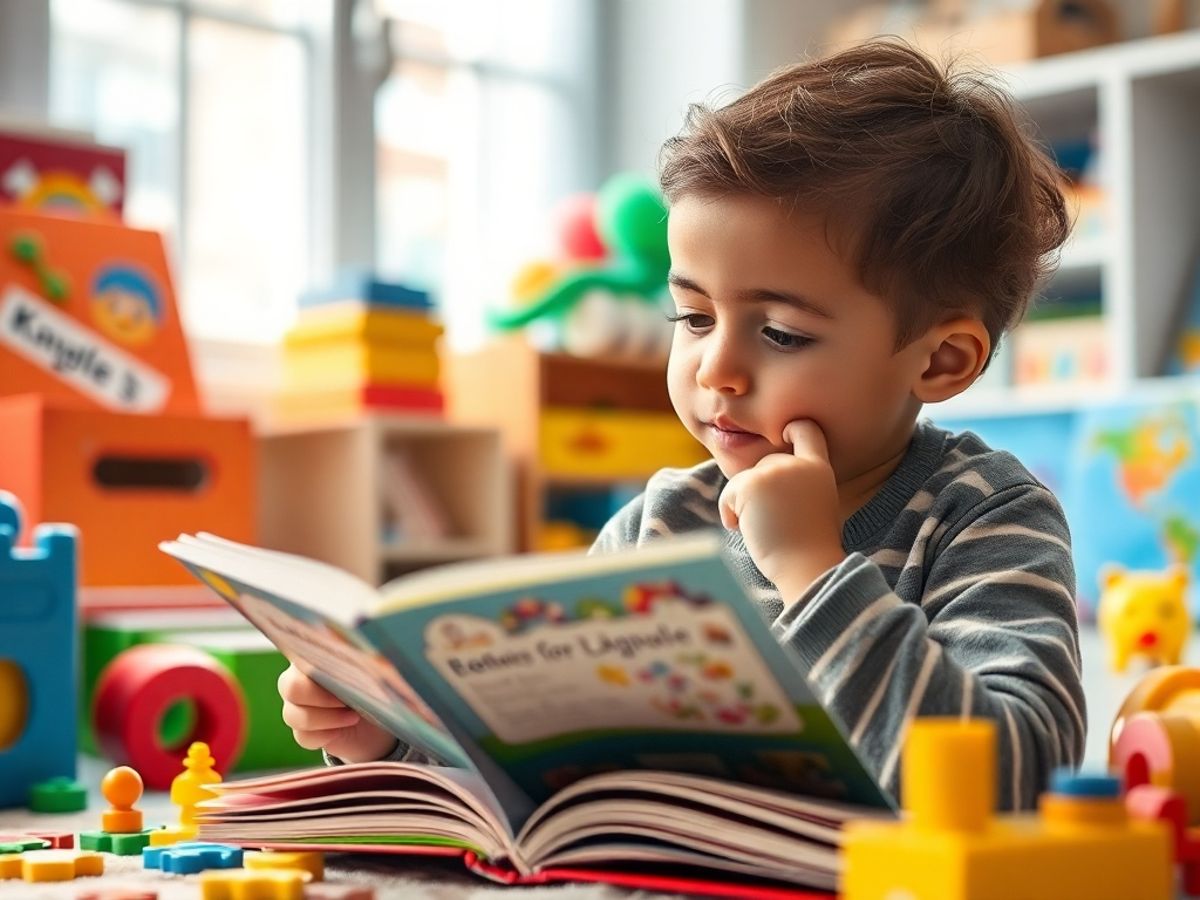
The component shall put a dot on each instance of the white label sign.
(37, 331)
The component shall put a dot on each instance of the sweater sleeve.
(620, 531)
(995, 636)
(402, 752)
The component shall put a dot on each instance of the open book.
(622, 718)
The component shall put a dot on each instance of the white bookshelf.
(1142, 99)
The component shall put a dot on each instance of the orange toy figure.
(122, 787)
(1144, 614)
(187, 789)
(121, 825)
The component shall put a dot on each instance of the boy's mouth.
(728, 435)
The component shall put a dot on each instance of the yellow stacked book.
(362, 345)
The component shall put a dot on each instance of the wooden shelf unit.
(322, 493)
(568, 421)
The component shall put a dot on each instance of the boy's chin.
(731, 464)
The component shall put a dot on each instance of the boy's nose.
(721, 370)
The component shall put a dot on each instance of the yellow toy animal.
(1144, 614)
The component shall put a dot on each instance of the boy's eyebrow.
(761, 295)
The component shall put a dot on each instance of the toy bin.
(128, 482)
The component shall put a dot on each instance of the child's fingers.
(318, 718)
(806, 438)
(296, 687)
(727, 504)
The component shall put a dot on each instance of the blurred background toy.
(38, 654)
(1144, 614)
(605, 296)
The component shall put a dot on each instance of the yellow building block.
(1080, 846)
(254, 884)
(51, 865)
(311, 862)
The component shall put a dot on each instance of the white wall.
(661, 55)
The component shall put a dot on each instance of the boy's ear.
(955, 354)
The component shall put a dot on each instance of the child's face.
(779, 328)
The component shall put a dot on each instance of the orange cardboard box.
(128, 482)
(88, 316)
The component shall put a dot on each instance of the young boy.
(849, 240)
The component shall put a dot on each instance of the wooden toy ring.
(1161, 749)
(137, 688)
(1168, 689)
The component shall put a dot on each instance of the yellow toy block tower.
(1080, 846)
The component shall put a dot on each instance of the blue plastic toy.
(191, 857)
(38, 654)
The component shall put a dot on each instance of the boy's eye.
(693, 321)
(785, 339)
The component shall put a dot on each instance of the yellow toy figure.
(1144, 614)
(188, 789)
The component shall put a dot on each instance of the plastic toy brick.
(311, 862)
(19, 843)
(330, 891)
(58, 795)
(191, 857)
(38, 678)
(250, 884)
(116, 843)
(118, 894)
(51, 865)
(58, 840)
(1082, 845)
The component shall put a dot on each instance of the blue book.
(552, 676)
(354, 284)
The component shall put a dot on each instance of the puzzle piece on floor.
(191, 857)
(118, 894)
(327, 890)
(116, 843)
(19, 842)
(252, 884)
(58, 795)
(59, 840)
(51, 865)
(311, 861)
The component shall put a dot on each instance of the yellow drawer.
(583, 443)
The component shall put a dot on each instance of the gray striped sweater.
(956, 597)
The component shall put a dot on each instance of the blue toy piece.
(191, 857)
(38, 654)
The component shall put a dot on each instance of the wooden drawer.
(574, 382)
(583, 443)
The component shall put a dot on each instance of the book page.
(329, 650)
(637, 660)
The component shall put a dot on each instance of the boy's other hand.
(787, 509)
(320, 721)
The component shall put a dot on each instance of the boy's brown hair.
(948, 205)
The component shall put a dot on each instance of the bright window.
(211, 102)
(478, 134)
